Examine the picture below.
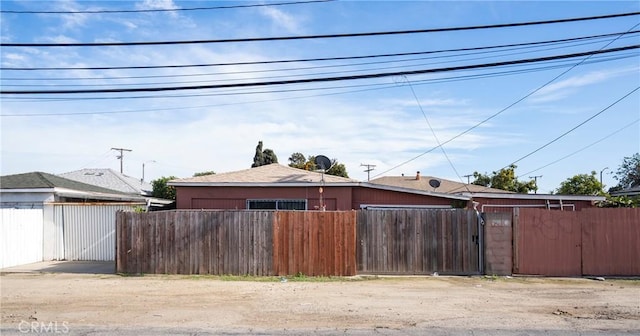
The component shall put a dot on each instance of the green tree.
(162, 190)
(628, 174)
(620, 202)
(337, 169)
(581, 184)
(210, 172)
(297, 160)
(263, 157)
(505, 179)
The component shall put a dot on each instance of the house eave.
(28, 190)
(97, 195)
(536, 196)
(263, 184)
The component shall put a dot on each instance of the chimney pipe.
(418, 176)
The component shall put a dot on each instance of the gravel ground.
(111, 304)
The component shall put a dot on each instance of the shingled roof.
(110, 179)
(268, 174)
(422, 183)
(40, 180)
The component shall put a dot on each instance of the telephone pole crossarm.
(121, 156)
(370, 167)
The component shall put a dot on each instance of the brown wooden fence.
(565, 243)
(417, 241)
(314, 243)
(236, 242)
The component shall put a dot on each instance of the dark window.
(277, 204)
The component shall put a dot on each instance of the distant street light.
(150, 161)
(603, 169)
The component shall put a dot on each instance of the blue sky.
(389, 121)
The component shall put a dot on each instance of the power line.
(325, 79)
(604, 58)
(585, 147)
(583, 61)
(321, 59)
(573, 129)
(161, 9)
(434, 134)
(367, 87)
(308, 37)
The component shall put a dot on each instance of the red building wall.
(334, 198)
(388, 197)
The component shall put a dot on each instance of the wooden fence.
(565, 243)
(236, 242)
(588, 242)
(314, 243)
(418, 242)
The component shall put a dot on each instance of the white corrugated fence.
(21, 236)
(88, 231)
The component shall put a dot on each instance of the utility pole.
(121, 156)
(370, 167)
(535, 181)
(468, 178)
(150, 161)
(603, 169)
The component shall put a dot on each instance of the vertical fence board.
(314, 243)
(417, 241)
(549, 242)
(610, 239)
(195, 242)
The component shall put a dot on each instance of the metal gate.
(418, 241)
(87, 230)
(547, 242)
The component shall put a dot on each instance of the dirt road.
(80, 304)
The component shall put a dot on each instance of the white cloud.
(129, 24)
(282, 19)
(61, 39)
(71, 20)
(157, 4)
(564, 88)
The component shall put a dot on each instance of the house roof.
(535, 196)
(36, 180)
(446, 186)
(272, 174)
(110, 179)
(39, 181)
(633, 191)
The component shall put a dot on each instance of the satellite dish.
(322, 162)
(434, 183)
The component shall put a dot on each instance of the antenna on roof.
(324, 164)
(434, 184)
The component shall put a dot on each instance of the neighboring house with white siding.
(56, 218)
(111, 179)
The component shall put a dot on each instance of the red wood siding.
(378, 196)
(229, 198)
